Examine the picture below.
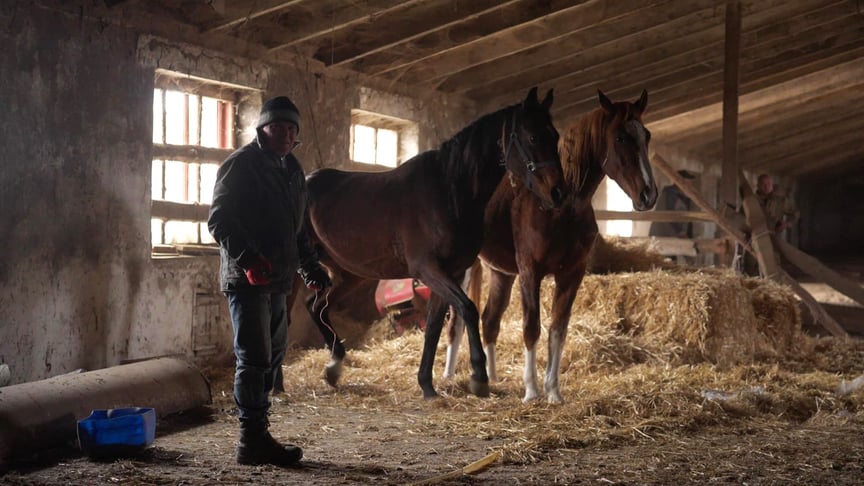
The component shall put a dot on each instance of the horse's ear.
(642, 102)
(547, 101)
(605, 102)
(531, 98)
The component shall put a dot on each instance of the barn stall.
(670, 374)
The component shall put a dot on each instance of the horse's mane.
(462, 154)
(581, 143)
(581, 148)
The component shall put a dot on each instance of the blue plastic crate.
(117, 432)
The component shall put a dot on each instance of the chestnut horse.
(525, 240)
(424, 219)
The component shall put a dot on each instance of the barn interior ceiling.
(801, 61)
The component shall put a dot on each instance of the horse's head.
(626, 159)
(530, 144)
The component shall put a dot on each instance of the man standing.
(780, 212)
(257, 217)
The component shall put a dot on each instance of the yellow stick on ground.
(473, 468)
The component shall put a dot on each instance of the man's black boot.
(257, 446)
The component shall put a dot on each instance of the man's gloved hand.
(258, 272)
(315, 277)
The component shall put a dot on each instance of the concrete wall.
(78, 286)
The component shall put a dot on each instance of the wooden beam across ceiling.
(811, 105)
(801, 89)
(236, 13)
(577, 54)
(434, 70)
(388, 28)
(419, 48)
(322, 25)
(682, 83)
(688, 41)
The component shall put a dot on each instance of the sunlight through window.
(186, 118)
(617, 200)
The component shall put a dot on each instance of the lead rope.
(321, 316)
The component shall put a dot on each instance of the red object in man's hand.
(259, 271)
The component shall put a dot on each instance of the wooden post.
(728, 185)
(760, 234)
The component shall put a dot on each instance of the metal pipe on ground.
(44, 414)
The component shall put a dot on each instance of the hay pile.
(649, 353)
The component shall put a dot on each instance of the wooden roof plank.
(684, 80)
(419, 48)
(696, 39)
(549, 30)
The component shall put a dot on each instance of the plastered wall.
(78, 286)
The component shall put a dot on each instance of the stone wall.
(78, 286)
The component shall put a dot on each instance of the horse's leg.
(457, 326)
(566, 286)
(530, 286)
(451, 293)
(319, 306)
(500, 287)
(434, 324)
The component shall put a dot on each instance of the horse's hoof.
(332, 373)
(479, 388)
(430, 395)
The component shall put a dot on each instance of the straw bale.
(612, 254)
(680, 317)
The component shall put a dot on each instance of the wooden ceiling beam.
(309, 26)
(668, 97)
(815, 160)
(383, 28)
(425, 45)
(634, 64)
(763, 119)
(793, 70)
(579, 50)
(683, 81)
(643, 50)
(545, 30)
(796, 136)
(815, 146)
(237, 13)
(455, 18)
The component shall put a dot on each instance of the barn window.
(617, 200)
(193, 131)
(381, 140)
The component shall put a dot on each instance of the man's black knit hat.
(279, 109)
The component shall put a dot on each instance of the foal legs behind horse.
(500, 286)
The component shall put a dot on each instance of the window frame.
(188, 154)
(406, 136)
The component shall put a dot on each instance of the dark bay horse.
(424, 219)
(521, 239)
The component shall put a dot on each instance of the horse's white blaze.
(529, 377)
(553, 368)
(490, 362)
(453, 348)
(643, 166)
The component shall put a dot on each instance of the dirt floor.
(365, 432)
(631, 416)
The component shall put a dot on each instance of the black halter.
(530, 164)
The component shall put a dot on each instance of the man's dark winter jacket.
(259, 202)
